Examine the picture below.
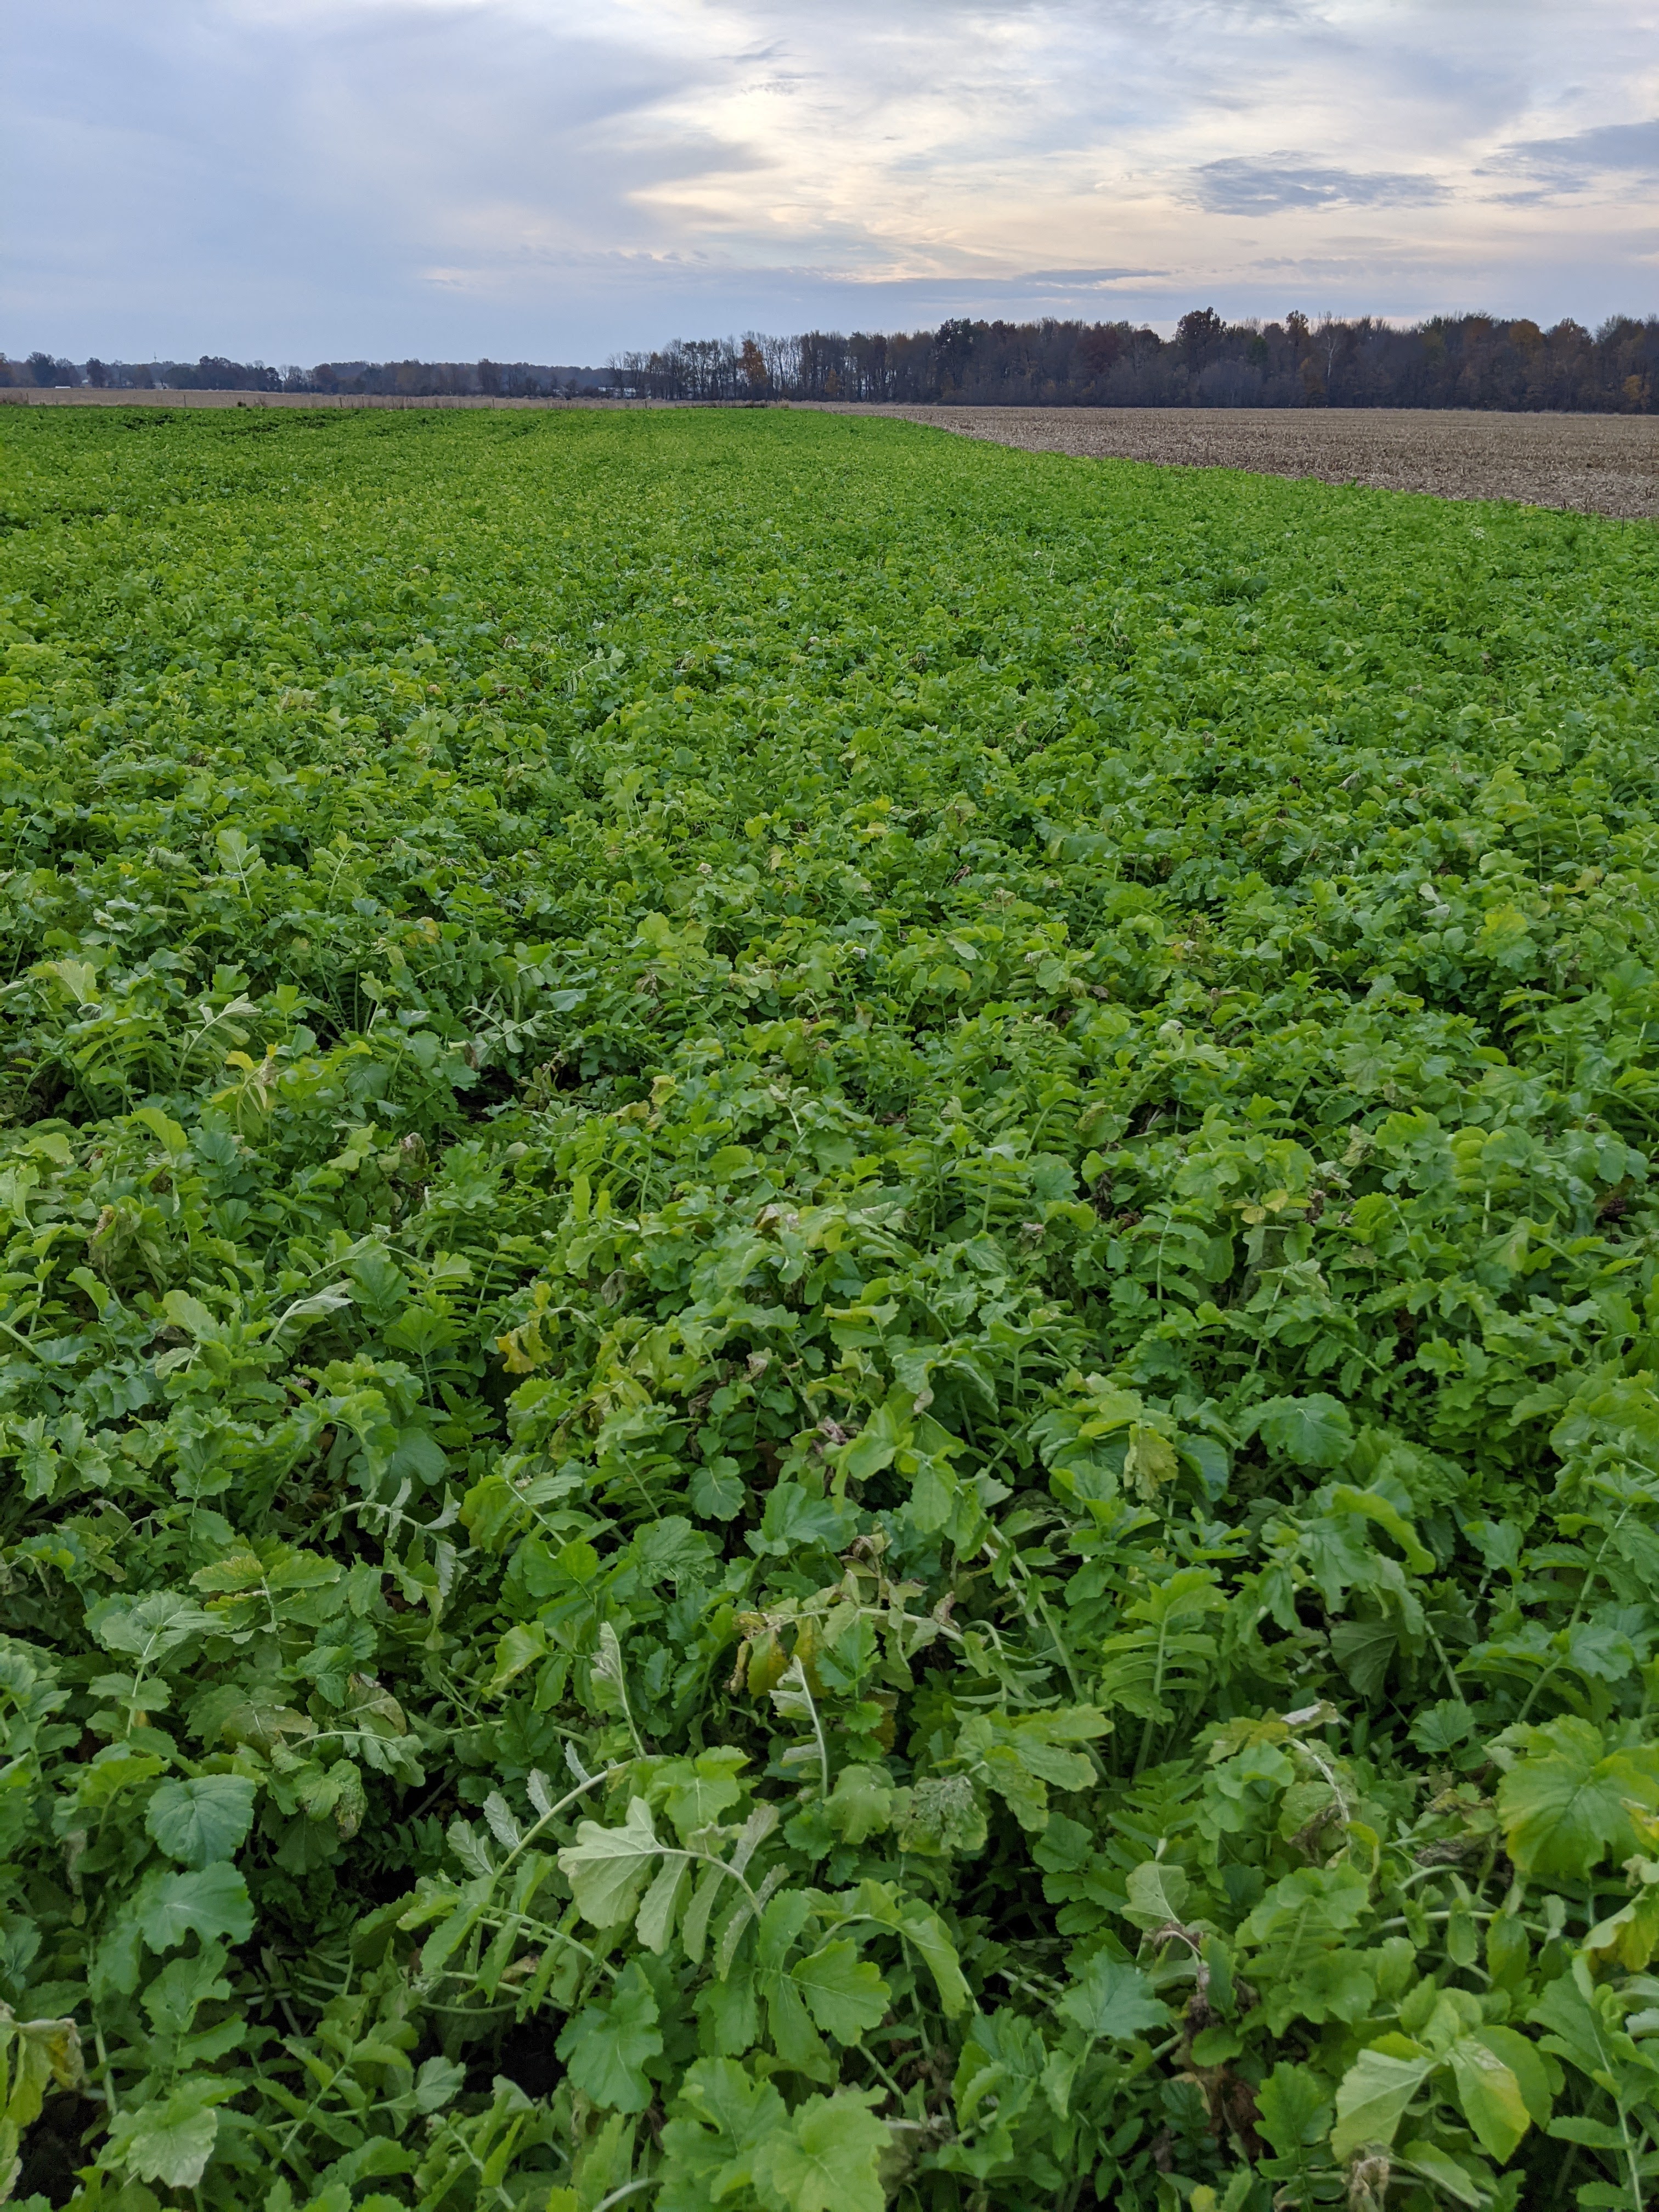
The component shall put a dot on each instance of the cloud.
(1089, 276)
(554, 179)
(1607, 148)
(1272, 184)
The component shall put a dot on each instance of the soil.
(1597, 464)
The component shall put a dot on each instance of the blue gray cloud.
(1271, 184)
(1606, 149)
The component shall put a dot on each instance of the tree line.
(420, 379)
(1449, 360)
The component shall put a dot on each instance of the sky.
(556, 180)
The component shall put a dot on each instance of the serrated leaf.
(704, 1788)
(607, 2045)
(845, 1994)
(211, 1900)
(944, 1818)
(1293, 2109)
(1112, 2002)
(503, 1824)
(1313, 1431)
(202, 1819)
(718, 1491)
(826, 2159)
(722, 2119)
(1563, 1804)
(169, 2139)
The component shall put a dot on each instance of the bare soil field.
(1599, 463)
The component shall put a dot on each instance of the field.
(828, 1328)
(1601, 463)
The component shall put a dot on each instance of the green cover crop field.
(827, 1335)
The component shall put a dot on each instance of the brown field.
(1599, 463)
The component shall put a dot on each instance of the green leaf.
(1440, 2167)
(212, 1901)
(794, 1522)
(1490, 2094)
(826, 2159)
(1439, 1729)
(943, 1818)
(721, 2121)
(845, 1994)
(150, 1627)
(169, 2139)
(604, 1865)
(1373, 2094)
(926, 1931)
(1520, 2054)
(190, 1314)
(1314, 1432)
(1112, 2002)
(1562, 1805)
(1373, 1506)
(654, 1923)
(718, 1491)
(1364, 1650)
(206, 1819)
(1576, 2029)
(1293, 2109)
(439, 2082)
(703, 1789)
(1156, 1893)
(606, 2046)
(861, 1803)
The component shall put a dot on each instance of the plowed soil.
(1599, 464)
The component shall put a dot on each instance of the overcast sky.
(554, 179)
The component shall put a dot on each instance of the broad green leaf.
(1563, 1804)
(717, 1491)
(1112, 2002)
(1344, 1498)
(721, 2120)
(860, 1805)
(604, 1865)
(1158, 1894)
(1313, 1431)
(1570, 2011)
(190, 1314)
(1372, 2096)
(826, 2159)
(704, 1788)
(1490, 2095)
(1520, 2054)
(211, 1900)
(1440, 2167)
(607, 2045)
(169, 2139)
(1293, 2109)
(654, 1922)
(149, 1627)
(202, 1819)
(926, 1931)
(845, 1994)
(1439, 1729)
